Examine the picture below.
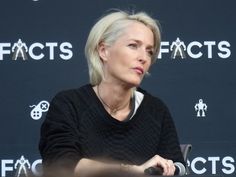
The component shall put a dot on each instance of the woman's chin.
(135, 83)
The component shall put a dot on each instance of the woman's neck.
(115, 98)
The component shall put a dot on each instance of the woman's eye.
(133, 45)
(150, 53)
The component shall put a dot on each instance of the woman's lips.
(139, 70)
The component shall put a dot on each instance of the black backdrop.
(54, 34)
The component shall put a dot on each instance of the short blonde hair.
(108, 29)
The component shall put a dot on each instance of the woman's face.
(128, 59)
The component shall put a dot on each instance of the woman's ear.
(102, 51)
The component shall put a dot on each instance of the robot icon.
(19, 48)
(37, 111)
(178, 47)
(200, 107)
(21, 165)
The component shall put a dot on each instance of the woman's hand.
(166, 164)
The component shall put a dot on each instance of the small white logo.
(36, 50)
(193, 49)
(21, 165)
(200, 107)
(19, 50)
(178, 47)
(41, 107)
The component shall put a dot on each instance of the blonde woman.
(111, 123)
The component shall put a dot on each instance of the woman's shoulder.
(74, 94)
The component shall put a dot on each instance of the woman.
(110, 123)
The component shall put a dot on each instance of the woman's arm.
(90, 168)
(59, 141)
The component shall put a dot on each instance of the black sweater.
(77, 126)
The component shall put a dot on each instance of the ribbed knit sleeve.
(59, 143)
(169, 146)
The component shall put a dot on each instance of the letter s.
(230, 166)
(65, 48)
(223, 46)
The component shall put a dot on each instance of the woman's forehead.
(138, 32)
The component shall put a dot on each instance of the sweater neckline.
(109, 117)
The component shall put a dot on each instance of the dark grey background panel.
(55, 32)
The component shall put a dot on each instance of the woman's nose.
(143, 57)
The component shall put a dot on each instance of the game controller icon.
(38, 110)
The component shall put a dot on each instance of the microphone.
(179, 170)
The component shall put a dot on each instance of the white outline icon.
(21, 166)
(200, 107)
(20, 49)
(38, 110)
(178, 47)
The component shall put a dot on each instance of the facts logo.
(19, 50)
(179, 49)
